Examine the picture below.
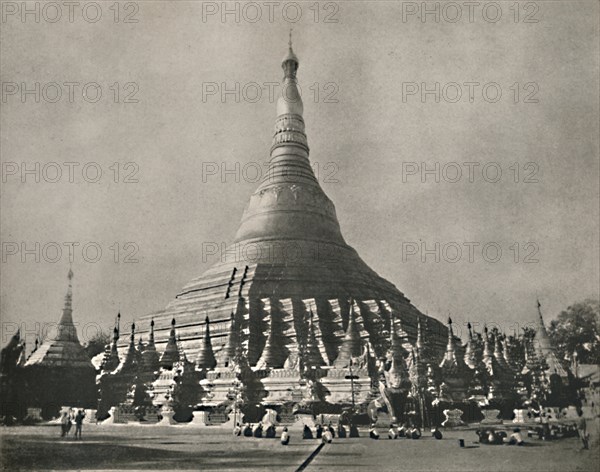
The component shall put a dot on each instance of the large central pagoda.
(289, 281)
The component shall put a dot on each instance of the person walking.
(582, 429)
(64, 424)
(79, 423)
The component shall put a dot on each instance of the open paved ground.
(188, 448)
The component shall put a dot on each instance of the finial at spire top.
(290, 57)
(70, 274)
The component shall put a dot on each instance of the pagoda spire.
(506, 352)
(289, 127)
(289, 202)
(171, 354)
(450, 358)
(111, 356)
(66, 328)
(498, 351)
(132, 355)
(312, 355)
(471, 357)
(544, 348)
(419, 342)
(487, 351)
(351, 344)
(227, 354)
(140, 345)
(206, 356)
(397, 375)
(151, 337)
(274, 353)
(150, 359)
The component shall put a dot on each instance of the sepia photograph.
(353, 235)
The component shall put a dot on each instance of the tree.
(96, 344)
(577, 330)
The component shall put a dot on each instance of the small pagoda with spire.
(60, 372)
(454, 373)
(150, 362)
(206, 358)
(545, 350)
(111, 360)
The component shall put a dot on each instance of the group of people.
(66, 422)
(326, 434)
(407, 430)
(549, 432)
(257, 430)
(493, 437)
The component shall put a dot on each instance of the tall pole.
(352, 384)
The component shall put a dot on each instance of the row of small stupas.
(490, 367)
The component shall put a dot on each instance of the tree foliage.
(577, 330)
(96, 344)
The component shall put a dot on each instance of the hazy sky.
(375, 140)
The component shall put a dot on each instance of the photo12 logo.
(253, 92)
(468, 251)
(71, 172)
(71, 92)
(253, 12)
(73, 251)
(70, 12)
(471, 92)
(470, 12)
(454, 172)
